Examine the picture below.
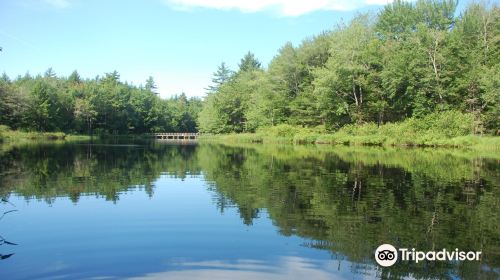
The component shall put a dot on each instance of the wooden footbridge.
(176, 136)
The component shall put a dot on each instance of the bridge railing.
(175, 136)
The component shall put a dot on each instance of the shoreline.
(8, 136)
(490, 143)
(299, 137)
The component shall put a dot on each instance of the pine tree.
(150, 85)
(249, 63)
(221, 76)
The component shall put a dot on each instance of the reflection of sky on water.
(178, 230)
(179, 212)
(285, 268)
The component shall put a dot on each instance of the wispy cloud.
(282, 7)
(59, 4)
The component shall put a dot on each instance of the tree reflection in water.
(344, 200)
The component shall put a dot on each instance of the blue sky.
(178, 42)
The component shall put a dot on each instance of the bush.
(448, 128)
(45, 135)
(3, 130)
(451, 123)
(282, 130)
(357, 130)
(427, 131)
(337, 138)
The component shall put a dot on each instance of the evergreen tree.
(74, 78)
(249, 63)
(150, 85)
(220, 77)
(49, 73)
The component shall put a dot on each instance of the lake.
(156, 210)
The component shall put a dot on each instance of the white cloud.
(378, 2)
(60, 4)
(283, 7)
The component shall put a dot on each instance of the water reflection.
(4, 242)
(48, 171)
(285, 268)
(340, 201)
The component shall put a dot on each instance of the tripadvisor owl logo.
(386, 255)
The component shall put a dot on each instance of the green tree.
(85, 113)
(150, 85)
(42, 107)
(267, 106)
(249, 63)
(210, 118)
(220, 77)
(49, 73)
(342, 84)
(74, 78)
(12, 104)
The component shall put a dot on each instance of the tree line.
(410, 60)
(104, 105)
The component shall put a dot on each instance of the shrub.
(447, 128)
(282, 130)
(451, 123)
(336, 138)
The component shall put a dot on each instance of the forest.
(410, 60)
(104, 105)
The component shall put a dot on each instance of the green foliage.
(15, 137)
(150, 84)
(266, 105)
(437, 129)
(249, 63)
(444, 129)
(13, 107)
(3, 130)
(306, 137)
(282, 130)
(445, 124)
(224, 111)
(412, 60)
(101, 106)
(220, 77)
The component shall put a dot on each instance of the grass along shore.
(483, 142)
(446, 129)
(7, 135)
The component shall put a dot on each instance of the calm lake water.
(166, 211)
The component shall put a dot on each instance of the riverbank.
(9, 136)
(482, 142)
(486, 146)
(450, 130)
